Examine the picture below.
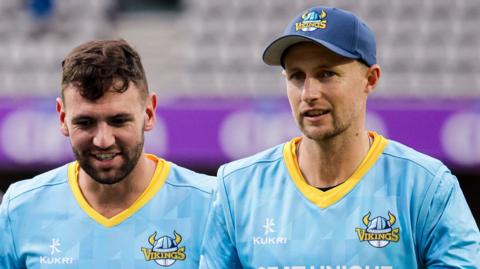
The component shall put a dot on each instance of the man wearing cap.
(339, 196)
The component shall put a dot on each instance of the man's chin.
(105, 176)
(320, 136)
(107, 180)
(316, 133)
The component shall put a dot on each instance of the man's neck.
(329, 163)
(110, 200)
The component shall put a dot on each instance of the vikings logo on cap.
(165, 250)
(379, 232)
(312, 20)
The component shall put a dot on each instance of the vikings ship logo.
(165, 250)
(312, 21)
(379, 232)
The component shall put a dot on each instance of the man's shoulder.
(408, 156)
(260, 160)
(37, 184)
(182, 177)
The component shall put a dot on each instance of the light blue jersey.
(46, 222)
(399, 209)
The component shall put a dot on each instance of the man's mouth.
(315, 113)
(105, 156)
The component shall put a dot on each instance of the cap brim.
(273, 53)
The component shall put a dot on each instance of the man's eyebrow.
(81, 117)
(121, 115)
(321, 66)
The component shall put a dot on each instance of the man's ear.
(150, 111)
(373, 77)
(61, 116)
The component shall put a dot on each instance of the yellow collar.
(159, 177)
(324, 199)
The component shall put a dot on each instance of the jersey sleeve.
(449, 237)
(218, 247)
(7, 251)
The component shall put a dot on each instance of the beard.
(327, 135)
(130, 157)
(338, 127)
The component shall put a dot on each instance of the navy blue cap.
(338, 30)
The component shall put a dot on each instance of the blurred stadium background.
(218, 101)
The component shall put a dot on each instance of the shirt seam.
(434, 183)
(415, 162)
(230, 215)
(36, 188)
(189, 186)
(252, 164)
(10, 230)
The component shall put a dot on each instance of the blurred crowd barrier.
(427, 48)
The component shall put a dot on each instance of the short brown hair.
(97, 65)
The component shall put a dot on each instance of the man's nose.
(311, 89)
(104, 137)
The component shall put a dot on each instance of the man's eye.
(297, 76)
(326, 74)
(83, 123)
(118, 121)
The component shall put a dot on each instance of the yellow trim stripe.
(324, 199)
(159, 177)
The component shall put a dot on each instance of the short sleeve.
(7, 250)
(449, 236)
(218, 247)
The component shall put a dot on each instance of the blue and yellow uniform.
(47, 223)
(399, 209)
